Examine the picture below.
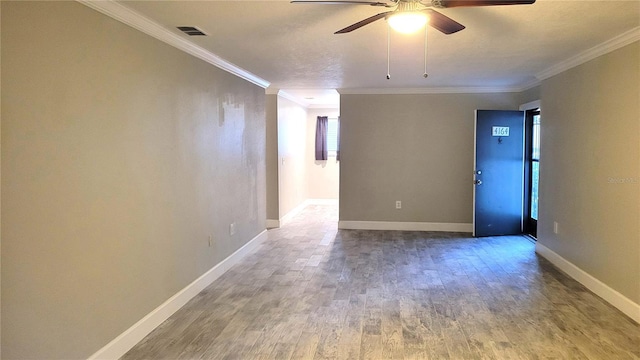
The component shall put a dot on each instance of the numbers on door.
(500, 131)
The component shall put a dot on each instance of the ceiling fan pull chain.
(425, 75)
(388, 41)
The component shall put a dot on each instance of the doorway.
(498, 173)
(532, 171)
(507, 171)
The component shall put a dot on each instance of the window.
(332, 136)
(535, 164)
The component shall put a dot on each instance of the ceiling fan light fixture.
(408, 22)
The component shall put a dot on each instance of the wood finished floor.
(313, 292)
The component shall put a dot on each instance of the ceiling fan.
(416, 9)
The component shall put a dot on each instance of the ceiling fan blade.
(443, 23)
(461, 3)
(342, 2)
(362, 23)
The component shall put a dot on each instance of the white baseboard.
(125, 341)
(610, 295)
(405, 226)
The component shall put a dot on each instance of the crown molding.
(417, 91)
(139, 22)
(608, 46)
(529, 85)
(129, 17)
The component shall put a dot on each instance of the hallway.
(313, 292)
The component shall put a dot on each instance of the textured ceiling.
(292, 46)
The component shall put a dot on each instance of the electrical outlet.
(555, 227)
(232, 229)
(210, 240)
(398, 204)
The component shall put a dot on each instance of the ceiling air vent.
(191, 31)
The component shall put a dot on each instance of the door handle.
(477, 182)
(477, 172)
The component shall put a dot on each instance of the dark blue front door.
(498, 183)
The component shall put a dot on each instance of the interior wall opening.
(532, 171)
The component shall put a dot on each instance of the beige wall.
(271, 109)
(323, 175)
(116, 169)
(414, 148)
(590, 168)
(0, 188)
(292, 143)
(120, 156)
(529, 95)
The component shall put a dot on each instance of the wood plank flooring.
(313, 292)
